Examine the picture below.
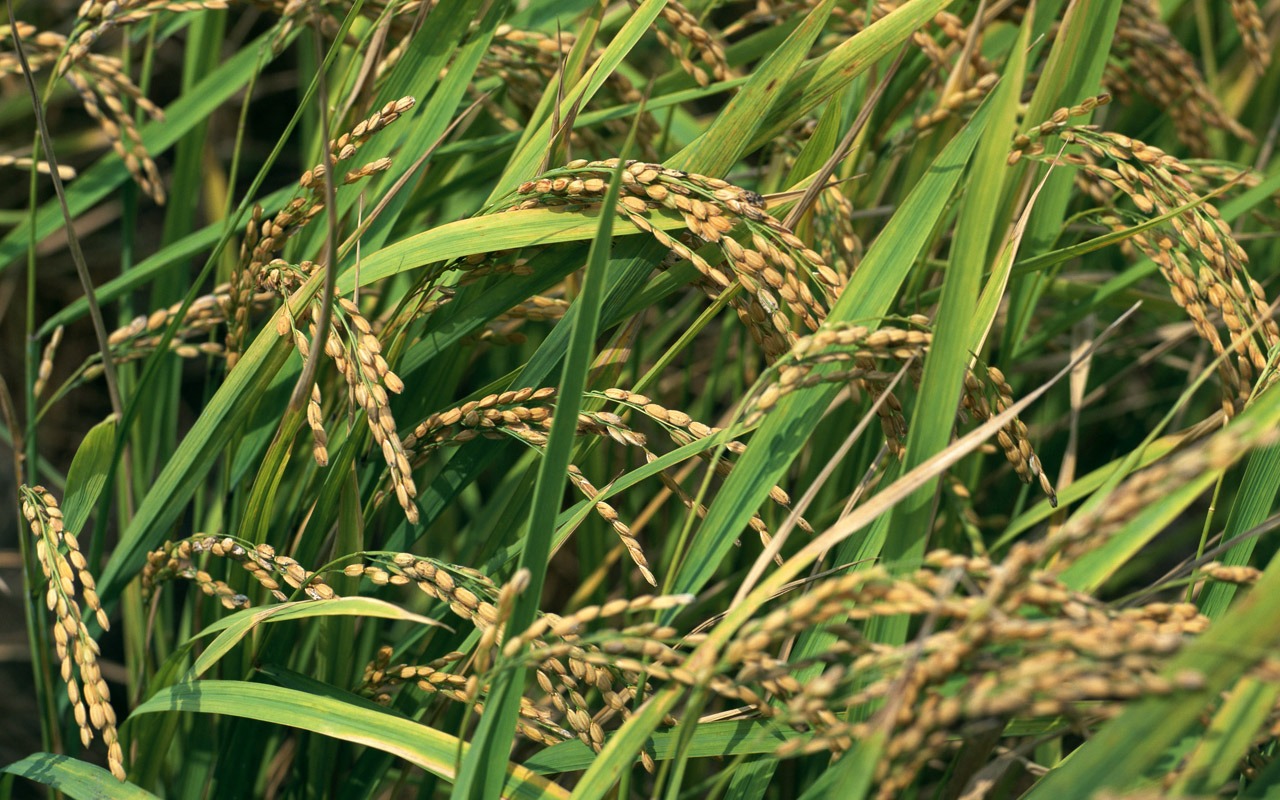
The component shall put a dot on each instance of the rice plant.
(572, 398)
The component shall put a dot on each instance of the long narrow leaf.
(420, 745)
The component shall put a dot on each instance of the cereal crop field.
(673, 399)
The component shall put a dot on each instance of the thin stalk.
(26, 452)
(73, 242)
(302, 392)
(1204, 530)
